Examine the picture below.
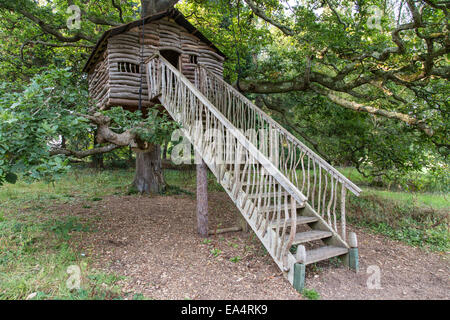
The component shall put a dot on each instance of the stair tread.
(273, 207)
(264, 195)
(323, 253)
(300, 220)
(312, 235)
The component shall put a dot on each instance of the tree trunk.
(97, 159)
(149, 176)
(154, 6)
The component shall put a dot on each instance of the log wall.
(115, 81)
(99, 82)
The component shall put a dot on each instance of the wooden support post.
(353, 260)
(299, 277)
(242, 223)
(202, 198)
(353, 257)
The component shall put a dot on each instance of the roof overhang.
(176, 15)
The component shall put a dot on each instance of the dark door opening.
(172, 56)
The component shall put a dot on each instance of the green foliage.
(384, 149)
(35, 256)
(155, 128)
(34, 68)
(311, 294)
(402, 220)
(435, 177)
(64, 227)
(215, 252)
(35, 118)
(236, 259)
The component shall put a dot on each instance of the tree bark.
(150, 7)
(149, 176)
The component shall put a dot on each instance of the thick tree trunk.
(149, 176)
(97, 159)
(154, 6)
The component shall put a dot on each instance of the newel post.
(353, 252)
(202, 197)
(300, 269)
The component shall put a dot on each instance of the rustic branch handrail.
(265, 162)
(260, 191)
(323, 185)
(348, 184)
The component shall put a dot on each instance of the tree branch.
(260, 13)
(54, 32)
(119, 8)
(372, 110)
(83, 154)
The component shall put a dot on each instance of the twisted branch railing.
(323, 185)
(269, 201)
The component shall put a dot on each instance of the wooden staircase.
(289, 196)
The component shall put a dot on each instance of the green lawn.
(34, 241)
(433, 200)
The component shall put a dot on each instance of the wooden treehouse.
(114, 66)
(293, 200)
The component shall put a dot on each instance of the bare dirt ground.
(152, 241)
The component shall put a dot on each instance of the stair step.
(300, 220)
(253, 183)
(307, 236)
(273, 208)
(323, 253)
(265, 195)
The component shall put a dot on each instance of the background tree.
(50, 29)
(364, 83)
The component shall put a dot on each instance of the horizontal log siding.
(123, 87)
(99, 82)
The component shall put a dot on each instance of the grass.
(35, 255)
(35, 249)
(437, 181)
(430, 200)
(35, 240)
(311, 294)
(402, 218)
(419, 219)
(235, 259)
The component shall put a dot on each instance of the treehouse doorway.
(172, 56)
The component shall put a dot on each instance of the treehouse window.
(193, 59)
(128, 67)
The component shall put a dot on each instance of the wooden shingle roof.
(176, 15)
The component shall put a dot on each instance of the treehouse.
(114, 67)
(290, 196)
